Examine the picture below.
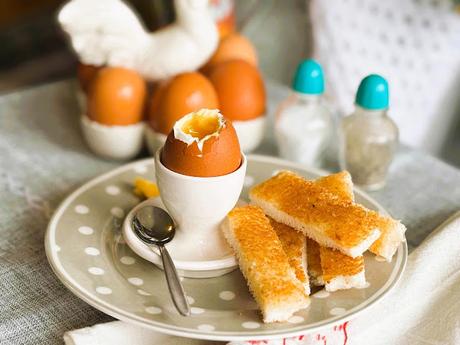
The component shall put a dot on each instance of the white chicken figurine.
(108, 32)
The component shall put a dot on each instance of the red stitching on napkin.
(345, 334)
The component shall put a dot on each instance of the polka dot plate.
(87, 252)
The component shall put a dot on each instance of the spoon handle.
(175, 286)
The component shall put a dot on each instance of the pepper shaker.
(368, 137)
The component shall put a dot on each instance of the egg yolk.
(200, 126)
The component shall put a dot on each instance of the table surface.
(43, 158)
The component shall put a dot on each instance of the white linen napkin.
(424, 308)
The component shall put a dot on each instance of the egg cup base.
(186, 268)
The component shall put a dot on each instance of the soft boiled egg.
(202, 144)
(116, 97)
(185, 93)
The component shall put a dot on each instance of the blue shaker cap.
(309, 78)
(373, 93)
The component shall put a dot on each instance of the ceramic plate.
(86, 250)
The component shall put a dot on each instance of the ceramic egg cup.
(250, 134)
(113, 142)
(198, 206)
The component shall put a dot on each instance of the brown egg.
(116, 97)
(85, 74)
(233, 47)
(240, 89)
(185, 93)
(219, 154)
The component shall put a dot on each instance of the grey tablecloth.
(43, 158)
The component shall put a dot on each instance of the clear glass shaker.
(304, 124)
(368, 137)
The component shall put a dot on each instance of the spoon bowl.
(154, 225)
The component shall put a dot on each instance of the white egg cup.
(154, 140)
(198, 206)
(250, 133)
(113, 142)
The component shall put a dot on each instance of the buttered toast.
(321, 214)
(295, 246)
(392, 231)
(340, 271)
(264, 264)
(318, 213)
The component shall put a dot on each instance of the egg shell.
(221, 155)
(85, 75)
(116, 97)
(183, 94)
(240, 89)
(233, 47)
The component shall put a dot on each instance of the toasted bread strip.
(392, 231)
(295, 246)
(263, 262)
(339, 184)
(318, 213)
(341, 271)
(337, 270)
(314, 263)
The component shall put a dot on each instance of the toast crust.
(318, 213)
(392, 231)
(265, 265)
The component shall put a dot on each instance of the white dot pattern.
(97, 271)
(296, 319)
(85, 230)
(250, 325)
(206, 328)
(117, 212)
(140, 169)
(337, 311)
(112, 190)
(135, 281)
(227, 295)
(196, 310)
(92, 251)
(153, 310)
(402, 40)
(143, 293)
(127, 260)
(81, 209)
(103, 290)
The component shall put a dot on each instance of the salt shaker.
(304, 124)
(368, 137)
